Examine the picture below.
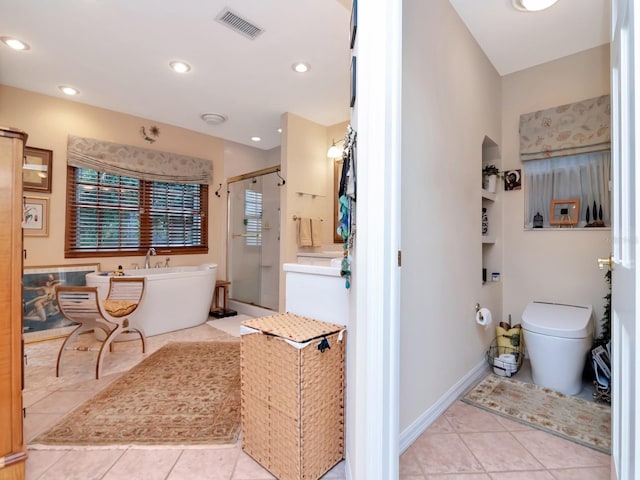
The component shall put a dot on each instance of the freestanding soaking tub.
(174, 298)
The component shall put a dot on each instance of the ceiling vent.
(213, 118)
(238, 24)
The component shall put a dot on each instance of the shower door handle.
(246, 235)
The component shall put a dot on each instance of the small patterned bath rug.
(575, 419)
(184, 394)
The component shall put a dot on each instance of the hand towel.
(304, 232)
(316, 232)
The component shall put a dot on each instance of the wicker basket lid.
(293, 327)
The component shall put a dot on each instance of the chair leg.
(139, 331)
(103, 350)
(143, 339)
(78, 330)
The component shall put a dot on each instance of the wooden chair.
(113, 316)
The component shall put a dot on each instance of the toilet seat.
(558, 320)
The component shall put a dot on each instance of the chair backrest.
(126, 288)
(78, 304)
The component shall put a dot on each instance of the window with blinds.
(253, 218)
(113, 215)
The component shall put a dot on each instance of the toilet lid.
(567, 321)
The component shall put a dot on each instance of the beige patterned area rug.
(575, 419)
(184, 394)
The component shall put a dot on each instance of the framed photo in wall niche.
(41, 318)
(565, 212)
(35, 216)
(36, 169)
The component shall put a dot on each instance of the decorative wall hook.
(154, 133)
(280, 177)
(218, 191)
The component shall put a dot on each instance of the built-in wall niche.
(491, 221)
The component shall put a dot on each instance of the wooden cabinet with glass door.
(13, 452)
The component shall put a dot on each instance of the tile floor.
(465, 443)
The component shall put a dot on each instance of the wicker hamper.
(293, 394)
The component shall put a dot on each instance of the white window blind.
(253, 217)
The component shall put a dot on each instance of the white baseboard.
(251, 310)
(417, 428)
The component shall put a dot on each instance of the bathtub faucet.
(151, 251)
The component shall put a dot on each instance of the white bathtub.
(174, 297)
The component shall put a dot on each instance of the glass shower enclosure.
(253, 238)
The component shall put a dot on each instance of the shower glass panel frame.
(253, 238)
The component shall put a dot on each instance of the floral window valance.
(571, 129)
(136, 162)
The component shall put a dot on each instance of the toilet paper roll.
(483, 317)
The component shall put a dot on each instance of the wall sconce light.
(335, 151)
(154, 133)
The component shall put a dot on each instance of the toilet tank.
(558, 320)
(316, 291)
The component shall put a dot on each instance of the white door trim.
(376, 275)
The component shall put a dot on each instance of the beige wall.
(550, 265)
(309, 189)
(240, 159)
(48, 121)
(451, 100)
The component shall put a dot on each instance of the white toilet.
(557, 338)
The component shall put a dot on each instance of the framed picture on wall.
(353, 81)
(41, 318)
(565, 212)
(512, 180)
(35, 216)
(354, 22)
(36, 169)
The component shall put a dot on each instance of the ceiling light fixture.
(214, 118)
(532, 5)
(179, 67)
(67, 90)
(301, 67)
(256, 139)
(15, 43)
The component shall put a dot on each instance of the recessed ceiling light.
(67, 90)
(179, 66)
(214, 118)
(14, 43)
(301, 67)
(279, 130)
(256, 139)
(532, 5)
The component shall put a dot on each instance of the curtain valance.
(571, 129)
(137, 162)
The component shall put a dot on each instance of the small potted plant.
(490, 174)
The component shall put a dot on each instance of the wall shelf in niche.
(487, 195)
(488, 239)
